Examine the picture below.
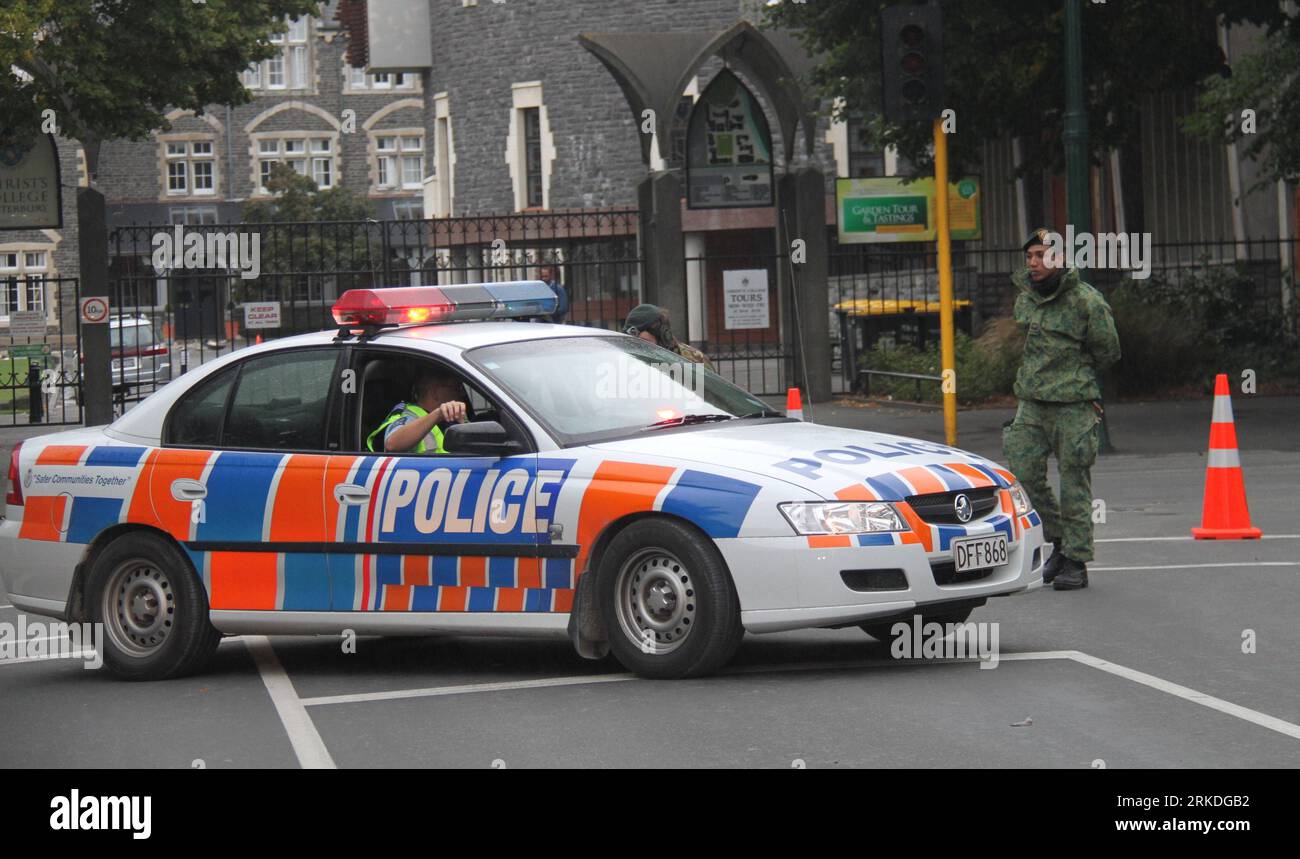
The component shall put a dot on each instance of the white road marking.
(1255, 717)
(1189, 539)
(306, 740)
(6, 606)
(79, 654)
(467, 689)
(1196, 566)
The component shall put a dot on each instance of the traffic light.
(912, 62)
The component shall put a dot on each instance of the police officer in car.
(650, 323)
(1070, 339)
(417, 427)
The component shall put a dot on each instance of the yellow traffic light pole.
(947, 339)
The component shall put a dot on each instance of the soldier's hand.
(454, 412)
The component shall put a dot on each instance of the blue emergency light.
(422, 305)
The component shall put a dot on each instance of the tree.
(112, 68)
(312, 242)
(1265, 82)
(1005, 66)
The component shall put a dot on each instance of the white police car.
(602, 486)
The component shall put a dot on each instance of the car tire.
(669, 603)
(153, 608)
(884, 631)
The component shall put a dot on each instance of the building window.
(308, 156)
(193, 215)
(23, 281)
(533, 156)
(399, 161)
(530, 148)
(191, 167)
(290, 68)
(864, 162)
(359, 80)
(408, 210)
(438, 195)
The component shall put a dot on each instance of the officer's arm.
(1103, 339)
(408, 435)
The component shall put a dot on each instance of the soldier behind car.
(650, 323)
(1070, 339)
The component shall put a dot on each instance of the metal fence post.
(35, 403)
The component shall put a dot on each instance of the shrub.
(986, 368)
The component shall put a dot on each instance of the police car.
(601, 487)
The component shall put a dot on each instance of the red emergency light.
(422, 305)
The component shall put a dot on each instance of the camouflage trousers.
(1068, 431)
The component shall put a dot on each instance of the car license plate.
(979, 553)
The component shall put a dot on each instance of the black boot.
(1052, 568)
(1073, 576)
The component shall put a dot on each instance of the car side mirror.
(483, 438)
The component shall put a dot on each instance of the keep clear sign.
(745, 300)
(262, 314)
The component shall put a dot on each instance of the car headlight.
(1020, 499)
(857, 517)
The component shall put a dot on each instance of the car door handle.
(188, 490)
(351, 495)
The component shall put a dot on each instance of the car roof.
(459, 335)
(144, 421)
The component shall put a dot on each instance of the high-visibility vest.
(401, 411)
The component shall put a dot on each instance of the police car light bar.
(421, 305)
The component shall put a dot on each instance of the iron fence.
(888, 295)
(40, 348)
(189, 286)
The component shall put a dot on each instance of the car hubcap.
(139, 608)
(656, 601)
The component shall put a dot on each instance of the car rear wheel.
(153, 609)
(884, 631)
(668, 600)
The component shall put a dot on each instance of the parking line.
(1185, 539)
(79, 654)
(467, 689)
(1255, 717)
(306, 740)
(1197, 566)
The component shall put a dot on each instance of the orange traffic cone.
(1225, 515)
(258, 341)
(794, 404)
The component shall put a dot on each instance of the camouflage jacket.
(1070, 339)
(690, 353)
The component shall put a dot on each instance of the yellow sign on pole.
(947, 337)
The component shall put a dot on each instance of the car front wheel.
(669, 602)
(153, 609)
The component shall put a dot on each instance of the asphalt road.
(1144, 669)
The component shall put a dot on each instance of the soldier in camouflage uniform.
(1070, 339)
(650, 323)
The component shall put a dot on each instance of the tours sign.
(30, 194)
(896, 210)
(728, 149)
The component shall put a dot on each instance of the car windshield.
(130, 336)
(599, 388)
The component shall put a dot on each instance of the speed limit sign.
(94, 309)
